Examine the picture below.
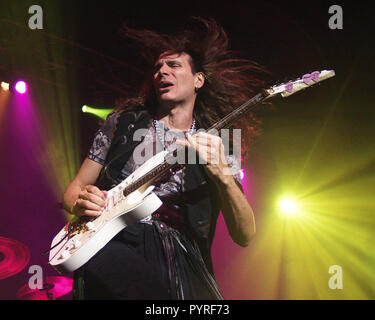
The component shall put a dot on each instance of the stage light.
(289, 206)
(5, 86)
(21, 87)
(101, 113)
(242, 174)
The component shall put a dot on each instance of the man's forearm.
(237, 212)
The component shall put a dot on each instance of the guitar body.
(71, 251)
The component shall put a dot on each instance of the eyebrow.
(158, 64)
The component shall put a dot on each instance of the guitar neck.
(235, 115)
(149, 177)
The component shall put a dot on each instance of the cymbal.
(14, 257)
(53, 287)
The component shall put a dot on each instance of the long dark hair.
(229, 81)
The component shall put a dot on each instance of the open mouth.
(165, 85)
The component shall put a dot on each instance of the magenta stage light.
(242, 174)
(21, 87)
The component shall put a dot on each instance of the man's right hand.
(90, 202)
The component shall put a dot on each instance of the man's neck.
(176, 117)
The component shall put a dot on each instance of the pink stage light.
(242, 174)
(21, 87)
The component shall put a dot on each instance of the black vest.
(199, 193)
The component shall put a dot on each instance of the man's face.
(174, 80)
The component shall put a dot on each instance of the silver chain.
(160, 135)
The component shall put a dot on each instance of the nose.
(164, 70)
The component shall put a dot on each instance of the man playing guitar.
(194, 83)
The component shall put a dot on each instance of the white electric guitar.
(133, 200)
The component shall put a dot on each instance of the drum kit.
(14, 257)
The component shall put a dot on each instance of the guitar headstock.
(307, 80)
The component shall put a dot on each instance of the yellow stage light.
(101, 113)
(289, 206)
(5, 86)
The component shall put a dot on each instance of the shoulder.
(132, 118)
(131, 110)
